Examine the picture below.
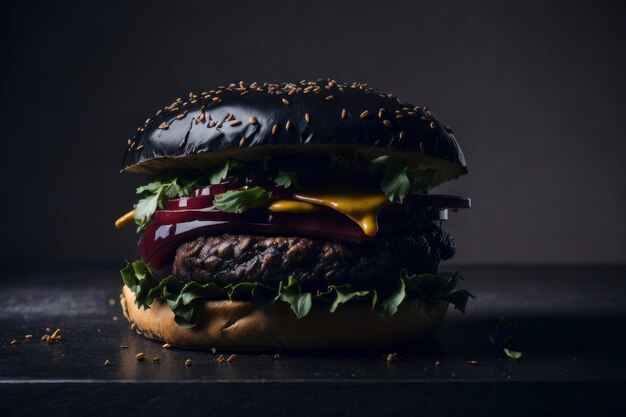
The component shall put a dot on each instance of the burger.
(291, 216)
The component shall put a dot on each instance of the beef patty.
(315, 263)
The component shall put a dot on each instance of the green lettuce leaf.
(180, 296)
(238, 201)
(299, 301)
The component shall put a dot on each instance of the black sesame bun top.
(248, 120)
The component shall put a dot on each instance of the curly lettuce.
(180, 295)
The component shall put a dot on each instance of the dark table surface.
(571, 332)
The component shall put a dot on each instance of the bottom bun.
(244, 325)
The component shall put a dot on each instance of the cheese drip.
(361, 205)
(291, 206)
(125, 219)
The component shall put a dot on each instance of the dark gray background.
(534, 90)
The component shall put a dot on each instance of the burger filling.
(297, 229)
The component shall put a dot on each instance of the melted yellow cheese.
(361, 205)
(125, 219)
(291, 206)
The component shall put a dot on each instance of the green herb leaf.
(378, 164)
(238, 201)
(180, 296)
(145, 208)
(512, 354)
(395, 183)
(153, 196)
(389, 306)
(421, 180)
(218, 175)
(286, 179)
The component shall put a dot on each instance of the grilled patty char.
(315, 263)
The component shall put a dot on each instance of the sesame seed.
(288, 125)
(377, 142)
(202, 118)
(156, 360)
(188, 363)
(164, 126)
(221, 359)
(344, 113)
(381, 113)
(166, 346)
(140, 147)
(229, 117)
(211, 123)
(14, 342)
(158, 113)
(274, 129)
(432, 125)
(364, 115)
(252, 120)
(28, 336)
(219, 125)
(216, 99)
(285, 102)
(242, 141)
(231, 358)
(235, 123)
(107, 363)
(277, 356)
(329, 98)
(399, 116)
(412, 113)
(307, 118)
(401, 135)
(194, 101)
(243, 93)
(387, 123)
(181, 116)
(421, 147)
(140, 356)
